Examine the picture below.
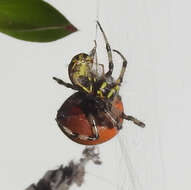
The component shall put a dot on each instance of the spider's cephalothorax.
(80, 72)
(98, 91)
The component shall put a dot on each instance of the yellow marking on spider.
(86, 89)
(103, 85)
(84, 72)
(81, 57)
(89, 59)
(75, 61)
(113, 91)
(94, 79)
(99, 92)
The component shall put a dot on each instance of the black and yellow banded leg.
(109, 53)
(72, 134)
(123, 69)
(68, 85)
(115, 121)
(134, 120)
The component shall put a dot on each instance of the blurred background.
(155, 38)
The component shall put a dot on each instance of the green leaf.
(33, 20)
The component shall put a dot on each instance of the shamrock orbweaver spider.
(94, 114)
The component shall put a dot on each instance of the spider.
(97, 92)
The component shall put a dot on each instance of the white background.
(155, 38)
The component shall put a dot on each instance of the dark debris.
(63, 177)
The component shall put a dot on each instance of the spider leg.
(120, 78)
(109, 53)
(114, 120)
(91, 120)
(135, 121)
(68, 85)
(72, 134)
(96, 62)
(103, 72)
(93, 55)
(93, 51)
